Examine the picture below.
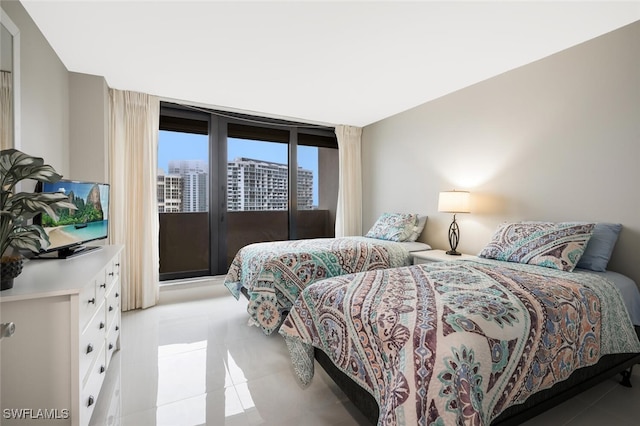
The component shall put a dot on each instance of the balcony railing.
(184, 237)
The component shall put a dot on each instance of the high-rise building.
(252, 185)
(264, 185)
(195, 183)
(169, 193)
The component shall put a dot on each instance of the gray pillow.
(417, 230)
(600, 246)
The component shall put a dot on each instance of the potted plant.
(17, 209)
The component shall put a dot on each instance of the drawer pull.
(117, 294)
(110, 274)
(110, 346)
(89, 348)
(118, 265)
(90, 401)
(110, 308)
(101, 326)
(92, 300)
(102, 369)
(103, 285)
(117, 327)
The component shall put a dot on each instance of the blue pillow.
(599, 248)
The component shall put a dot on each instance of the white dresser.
(67, 325)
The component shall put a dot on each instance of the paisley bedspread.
(274, 273)
(455, 343)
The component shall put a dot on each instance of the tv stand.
(68, 252)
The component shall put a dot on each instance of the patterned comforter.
(457, 342)
(274, 273)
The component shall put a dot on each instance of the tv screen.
(89, 222)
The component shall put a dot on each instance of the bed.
(272, 274)
(480, 341)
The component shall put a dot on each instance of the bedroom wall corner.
(554, 140)
(44, 93)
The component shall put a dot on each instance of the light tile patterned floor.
(192, 360)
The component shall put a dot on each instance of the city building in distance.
(252, 185)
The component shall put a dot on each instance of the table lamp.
(454, 202)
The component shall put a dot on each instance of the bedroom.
(553, 140)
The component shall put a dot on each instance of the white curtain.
(349, 209)
(133, 165)
(6, 110)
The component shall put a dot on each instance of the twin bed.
(272, 274)
(484, 341)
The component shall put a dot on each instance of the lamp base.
(454, 253)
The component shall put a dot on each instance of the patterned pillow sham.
(393, 227)
(552, 245)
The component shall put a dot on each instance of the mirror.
(9, 83)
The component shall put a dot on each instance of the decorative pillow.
(552, 245)
(598, 251)
(393, 226)
(417, 230)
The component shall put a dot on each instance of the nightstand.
(427, 256)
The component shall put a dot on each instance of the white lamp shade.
(454, 202)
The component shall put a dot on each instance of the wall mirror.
(9, 83)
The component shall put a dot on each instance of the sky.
(189, 146)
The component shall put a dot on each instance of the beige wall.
(64, 116)
(558, 140)
(44, 94)
(89, 128)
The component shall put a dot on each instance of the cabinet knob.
(117, 294)
(89, 348)
(90, 401)
(7, 329)
(110, 274)
(110, 346)
(92, 300)
(101, 326)
(102, 369)
(118, 265)
(110, 308)
(103, 285)
(117, 327)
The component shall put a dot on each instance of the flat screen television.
(73, 228)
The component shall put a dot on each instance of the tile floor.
(192, 360)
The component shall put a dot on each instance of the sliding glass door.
(229, 180)
(257, 186)
(183, 196)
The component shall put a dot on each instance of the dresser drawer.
(89, 393)
(111, 272)
(113, 339)
(91, 340)
(88, 303)
(112, 305)
(102, 283)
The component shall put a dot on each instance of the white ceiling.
(328, 62)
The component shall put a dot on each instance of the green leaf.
(30, 237)
(29, 204)
(16, 166)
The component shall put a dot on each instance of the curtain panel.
(133, 164)
(349, 208)
(6, 110)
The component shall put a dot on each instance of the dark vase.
(10, 267)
